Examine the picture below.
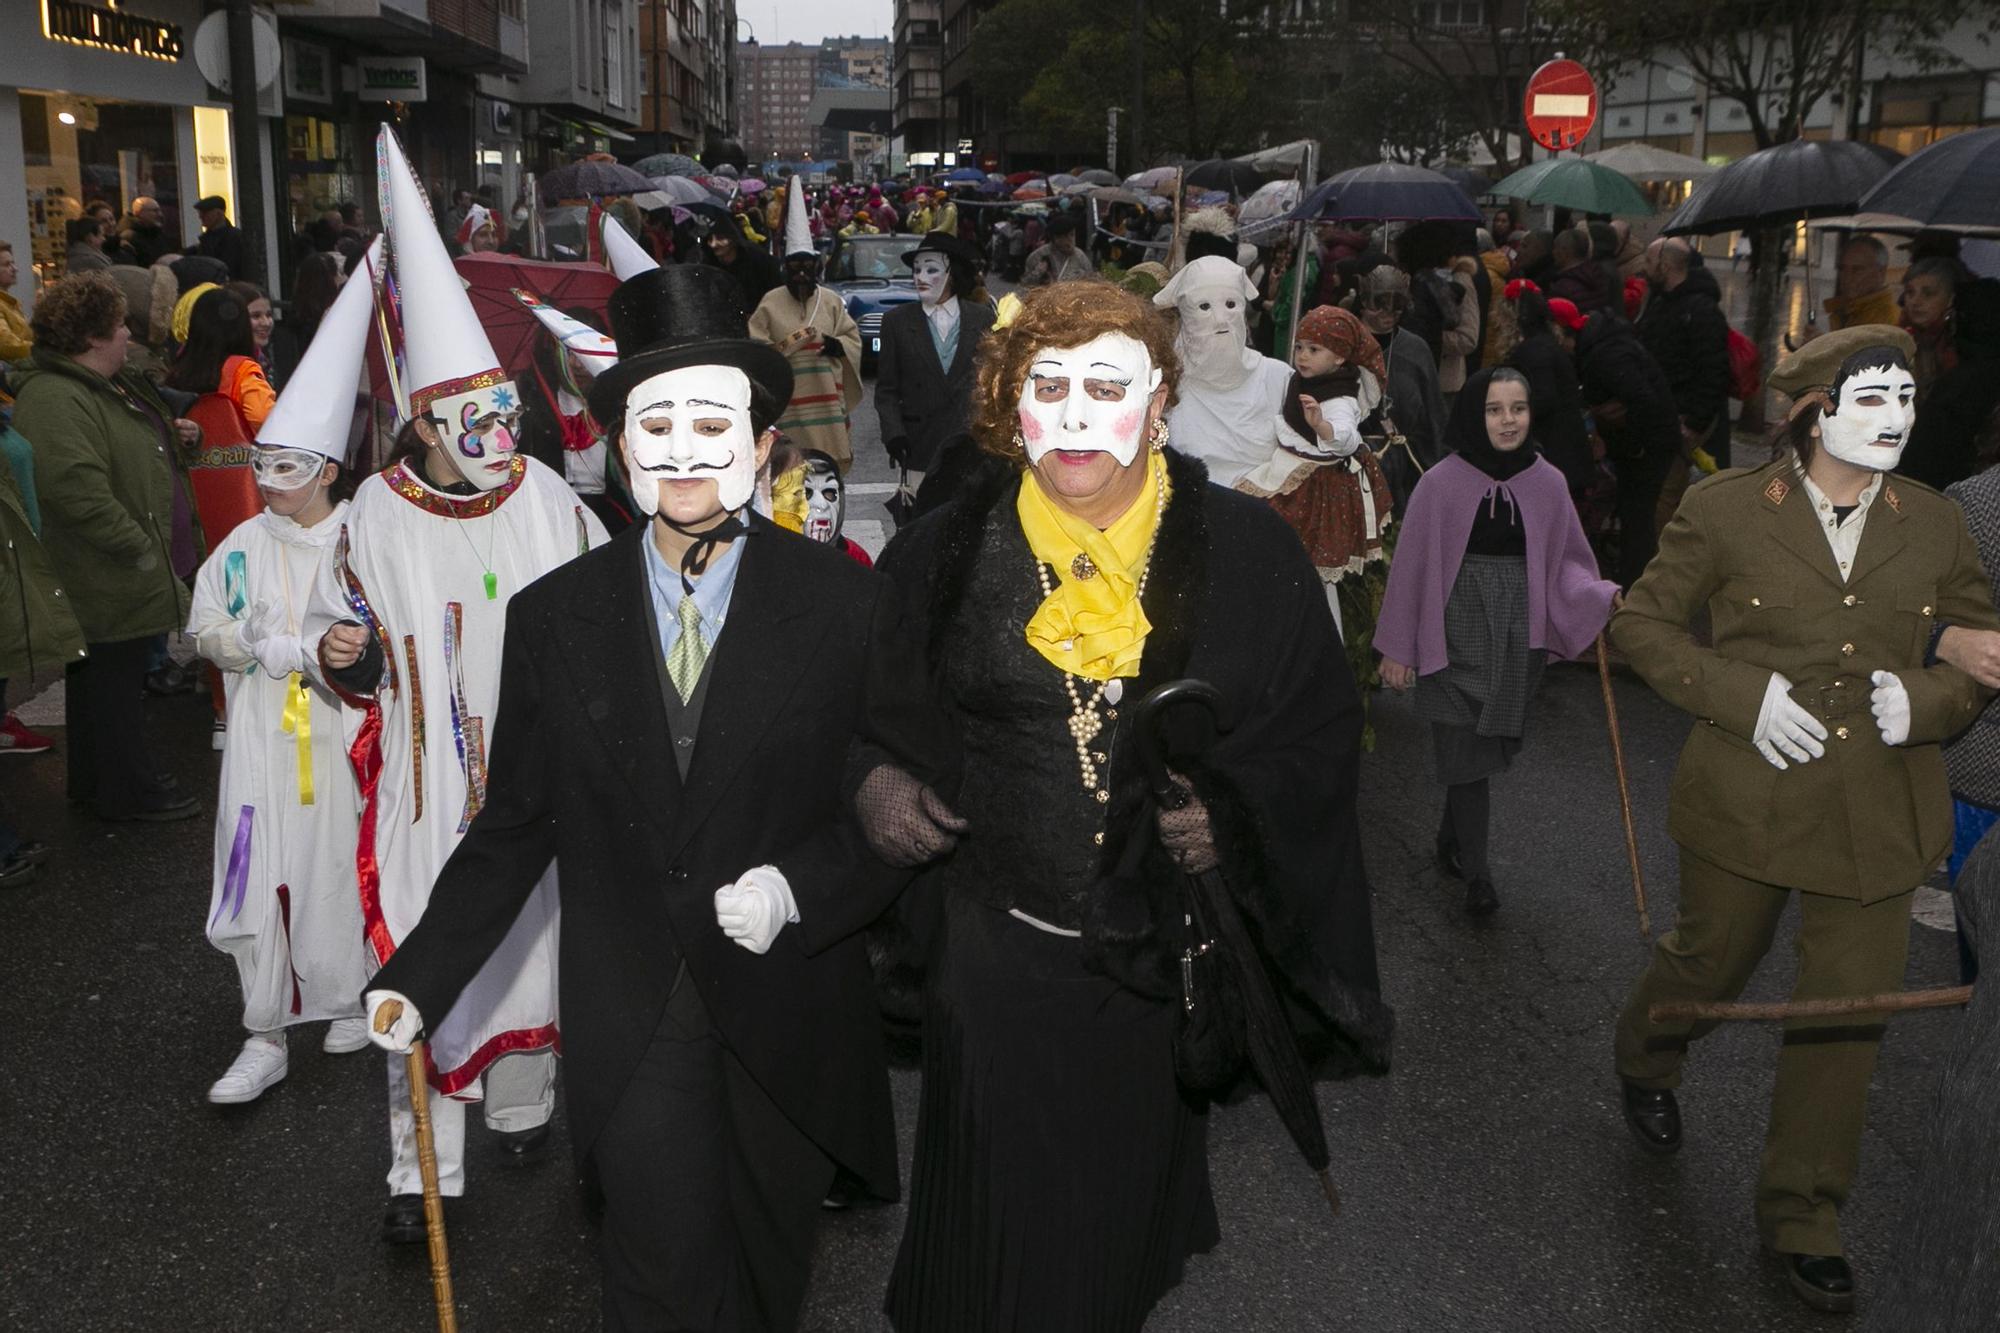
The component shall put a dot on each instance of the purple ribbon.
(236, 880)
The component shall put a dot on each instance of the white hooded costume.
(1229, 394)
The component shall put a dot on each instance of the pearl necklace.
(1085, 724)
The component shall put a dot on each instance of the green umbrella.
(1571, 182)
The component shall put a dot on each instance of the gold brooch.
(1083, 567)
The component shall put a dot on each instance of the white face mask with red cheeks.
(1091, 398)
(932, 275)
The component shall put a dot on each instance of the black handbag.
(1210, 1043)
(903, 503)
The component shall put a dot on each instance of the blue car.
(870, 276)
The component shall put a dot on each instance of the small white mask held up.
(478, 428)
(1871, 422)
(687, 425)
(931, 272)
(1091, 398)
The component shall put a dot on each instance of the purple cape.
(1568, 603)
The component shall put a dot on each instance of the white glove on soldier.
(1890, 703)
(1785, 730)
(401, 1032)
(755, 908)
(264, 638)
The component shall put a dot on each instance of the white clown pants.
(520, 1093)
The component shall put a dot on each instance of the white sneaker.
(258, 1065)
(345, 1035)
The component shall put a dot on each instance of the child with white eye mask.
(283, 903)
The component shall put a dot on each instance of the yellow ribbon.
(1092, 624)
(298, 721)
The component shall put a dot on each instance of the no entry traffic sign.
(1560, 104)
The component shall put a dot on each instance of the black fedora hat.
(683, 315)
(942, 243)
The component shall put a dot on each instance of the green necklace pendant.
(492, 586)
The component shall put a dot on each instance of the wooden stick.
(1624, 788)
(427, 1166)
(1895, 1002)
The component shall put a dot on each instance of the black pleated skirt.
(1061, 1178)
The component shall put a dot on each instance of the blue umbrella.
(965, 174)
(1386, 192)
(1953, 183)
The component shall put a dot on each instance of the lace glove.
(906, 823)
(1784, 729)
(393, 1021)
(1187, 834)
(1890, 702)
(755, 908)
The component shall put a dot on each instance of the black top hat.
(682, 315)
(942, 243)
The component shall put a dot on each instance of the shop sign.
(308, 72)
(391, 78)
(111, 27)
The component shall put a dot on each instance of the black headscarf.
(1465, 433)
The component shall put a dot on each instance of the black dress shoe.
(1447, 855)
(403, 1220)
(1654, 1117)
(523, 1144)
(1823, 1281)
(1480, 899)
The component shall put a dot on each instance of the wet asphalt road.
(1489, 1181)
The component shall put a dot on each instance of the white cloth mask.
(279, 469)
(1871, 423)
(1089, 398)
(1212, 296)
(687, 424)
(932, 274)
(479, 427)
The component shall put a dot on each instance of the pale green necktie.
(690, 651)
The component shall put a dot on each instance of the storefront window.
(319, 167)
(82, 150)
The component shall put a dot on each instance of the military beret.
(1817, 364)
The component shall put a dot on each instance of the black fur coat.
(1233, 600)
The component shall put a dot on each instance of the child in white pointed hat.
(810, 325)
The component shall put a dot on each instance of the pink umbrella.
(750, 185)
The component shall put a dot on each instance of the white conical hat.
(798, 232)
(595, 349)
(627, 258)
(317, 407)
(445, 351)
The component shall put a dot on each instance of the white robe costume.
(430, 575)
(283, 903)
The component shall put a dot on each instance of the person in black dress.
(1061, 1178)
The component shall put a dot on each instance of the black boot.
(1823, 1281)
(1654, 1117)
(403, 1220)
(1480, 899)
(524, 1145)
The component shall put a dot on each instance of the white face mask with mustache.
(689, 424)
(1871, 423)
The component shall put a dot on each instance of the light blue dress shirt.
(712, 592)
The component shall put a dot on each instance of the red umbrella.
(1019, 176)
(490, 279)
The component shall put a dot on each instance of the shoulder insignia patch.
(1778, 490)
(1889, 496)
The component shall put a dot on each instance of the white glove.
(1890, 703)
(755, 908)
(1785, 730)
(264, 638)
(401, 1032)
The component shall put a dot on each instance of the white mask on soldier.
(1871, 423)
(690, 424)
(1089, 398)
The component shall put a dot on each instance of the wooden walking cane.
(420, 1107)
(1624, 788)
(1894, 1002)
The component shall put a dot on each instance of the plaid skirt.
(1478, 705)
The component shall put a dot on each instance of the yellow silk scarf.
(1092, 627)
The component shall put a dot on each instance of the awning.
(608, 132)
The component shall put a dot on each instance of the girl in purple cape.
(1492, 575)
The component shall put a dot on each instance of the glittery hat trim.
(421, 399)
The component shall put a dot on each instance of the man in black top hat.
(679, 713)
(923, 380)
(220, 238)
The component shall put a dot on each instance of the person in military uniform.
(1814, 766)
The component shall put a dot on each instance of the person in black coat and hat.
(678, 713)
(1628, 397)
(220, 238)
(923, 379)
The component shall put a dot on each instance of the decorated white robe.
(430, 575)
(282, 903)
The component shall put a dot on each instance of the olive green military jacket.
(1867, 821)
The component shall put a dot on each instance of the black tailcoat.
(914, 395)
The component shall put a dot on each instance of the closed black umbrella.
(1225, 173)
(1806, 178)
(1953, 183)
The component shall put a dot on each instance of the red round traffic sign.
(1560, 104)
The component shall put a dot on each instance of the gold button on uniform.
(1097, 838)
(1840, 732)
(1847, 600)
(1756, 601)
(1927, 610)
(1847, 649)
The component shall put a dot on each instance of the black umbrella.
(1954, 182)
(1218, 922)
(1806, 178)
(1386, 192)
(1225, 173)
(590, 180)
